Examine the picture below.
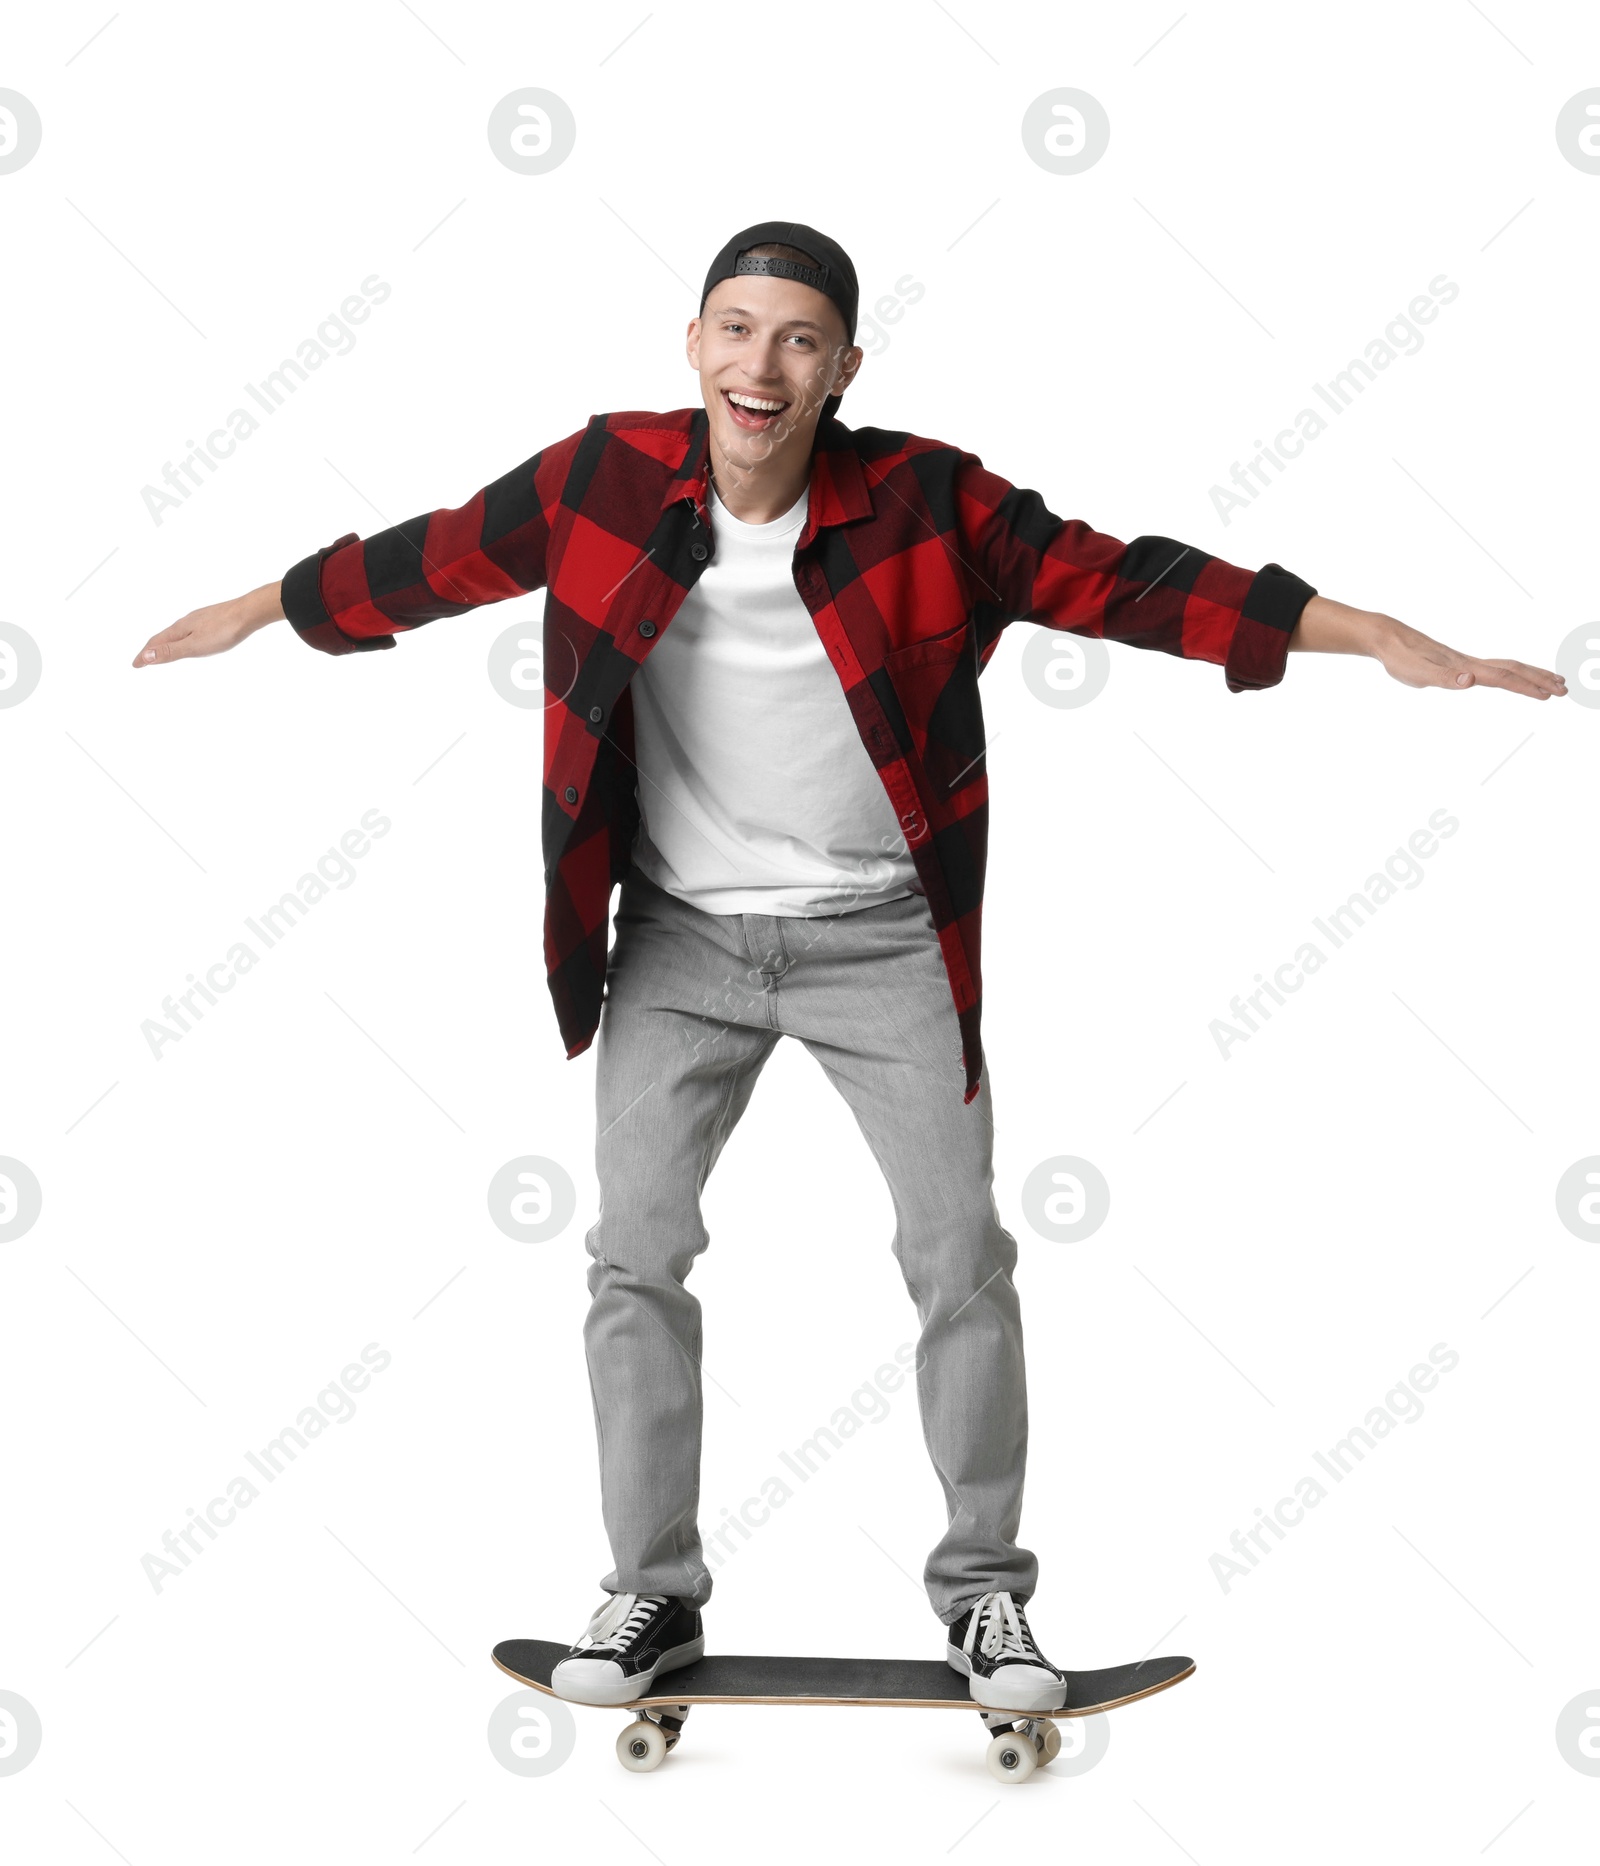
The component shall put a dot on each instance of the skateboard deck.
(1023, 1739)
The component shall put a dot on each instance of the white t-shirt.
(756, 794)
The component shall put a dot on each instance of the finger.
(166, 646)
(1510, 676)
(1513, 677)
(1540, 676)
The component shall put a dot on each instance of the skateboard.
(1021, 1741)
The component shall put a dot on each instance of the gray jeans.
(695, 1004)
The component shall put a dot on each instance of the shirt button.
(570, 793)
(647, 629)
(699, 553)
(596, 714)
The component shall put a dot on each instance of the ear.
(691, 343)
(850, 362)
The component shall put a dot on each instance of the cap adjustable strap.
(783, 269)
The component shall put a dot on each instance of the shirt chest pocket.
(935, 684)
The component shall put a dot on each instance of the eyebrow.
(795, 322)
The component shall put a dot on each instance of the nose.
(762, 364)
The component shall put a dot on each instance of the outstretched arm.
(358, 594)
(1327, 627)
(1157, 592)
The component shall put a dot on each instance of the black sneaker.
(991, 1643)
(631, 1638)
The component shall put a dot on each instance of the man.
(762, 640)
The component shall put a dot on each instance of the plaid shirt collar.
(838, 486)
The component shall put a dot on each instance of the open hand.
(1419, 661)
(214, 629)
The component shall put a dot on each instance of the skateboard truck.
(643, 1744)
(1020, 1745)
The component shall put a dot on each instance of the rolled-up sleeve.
(1152, 592)
(359, 593)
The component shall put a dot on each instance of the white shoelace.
(1003, 1634)
(617, 1622)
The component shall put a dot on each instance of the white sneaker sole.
(599, 1681)
(1013, 1687)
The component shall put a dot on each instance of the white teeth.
(749, 401)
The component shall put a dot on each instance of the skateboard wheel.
(641, 1746)
(1050, 1744)
(1012, 1758)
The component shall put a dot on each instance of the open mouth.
(752, 411)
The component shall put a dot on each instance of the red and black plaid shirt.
(913, 559)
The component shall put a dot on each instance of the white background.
(303, 1172)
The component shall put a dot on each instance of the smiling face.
(769, 352)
